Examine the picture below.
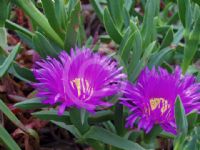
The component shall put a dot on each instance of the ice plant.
(81, 79)
(152, 99)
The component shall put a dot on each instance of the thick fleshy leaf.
(119, 119)
(13, 26)
(185, 12)
(29, 8)
(157, 57)
(97, 7)
(72, 129)
(167, 39)
(34, 103)
(49, 9)
(191, 45)
(192, 119)
(22, 73)
(111, 27)
(3, 38)
(81, 124)
(99, 117)
(193, 141)
(4, 7)
(8, 61)
(148, 26)
(151, 136)
(148, 52)
(110, 138)
(181, 120)
(10, 115)
(42, 46)
(61, 13)
(73, 27)
(196, 1)
(7, 139)
(26, 39)
(52, 115)
(116, 11)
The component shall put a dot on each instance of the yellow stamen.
(81, 85)
(159, 103)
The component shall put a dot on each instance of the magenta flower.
(82, 79)
(152, 99)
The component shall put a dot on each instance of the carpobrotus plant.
(81, 85)
(81, 79)
(152, 98)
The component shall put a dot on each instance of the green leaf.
(108, 125)
(111, 27)
(129, 4)
(49, 9)
(75, 117)
(72, 129)
(167, 39)
(181, 120)
(151, 136)
(22, 73)
(116, 11)
(126, 45)
(43, 46)
(29, 8)
(192, 119)
(136, 71)
(191, 45)
(184, 8)
(119, 119)
(3, 38)
(95, 144)
(157, 57)
(83, 116)
(10, 115)
(34, 103)
(178, 36)
(131, 47)
(4, 7)
(148, 27)
(52, 115)
(109, 138)
(97, 7)
(99, 117)
(26, 39)
(196, 1)
(196, 11)
(13, 26)
(179, 141)
(8, 140)
(126, 17)
(193, 141)
(126, 36)
(61, 14)
(6, 64)
(148, 51)
(73, 27)
(167, 135)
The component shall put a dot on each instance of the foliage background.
(135, 32)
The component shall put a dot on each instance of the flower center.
(158, 104)
(83, 87)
